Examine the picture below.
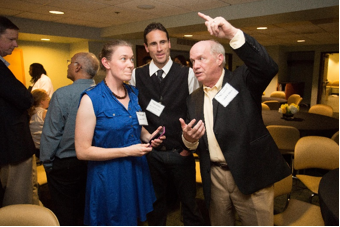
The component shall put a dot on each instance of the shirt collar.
(84, 81)
(153, 68)
(218, 85)
(4, 61)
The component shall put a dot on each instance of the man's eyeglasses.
(69, 62)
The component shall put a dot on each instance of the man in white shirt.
(163, 88)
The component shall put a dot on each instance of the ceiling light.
(56, 12)
(45, 39)
(146, 7)
(187, 35)
(301, 41)
(262, 28)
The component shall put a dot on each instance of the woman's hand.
(159, 139)
(138, 150)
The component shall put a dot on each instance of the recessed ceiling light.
(56, 12)
(45, 39)
(262, 28)
(301, 41)
(146, 7)
(187, 35)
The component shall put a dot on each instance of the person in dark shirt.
(163, 88)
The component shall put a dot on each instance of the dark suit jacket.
(247, 146)
(16, 142)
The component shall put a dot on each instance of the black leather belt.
(164, 148)
(223, 166)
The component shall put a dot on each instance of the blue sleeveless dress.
(118, 191)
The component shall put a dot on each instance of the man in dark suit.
(16, 144)
(239, 160)
(163, 88)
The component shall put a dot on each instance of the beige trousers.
(18, 182)
(226, 199)
(35, 198)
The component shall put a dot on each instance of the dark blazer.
(16, 143)
(247, 146)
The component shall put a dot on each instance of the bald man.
(239, 160)
(66, 175)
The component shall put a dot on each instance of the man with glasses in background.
(66, 175)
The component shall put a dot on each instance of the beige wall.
(333, 67)
(78, 47)
(53, 56)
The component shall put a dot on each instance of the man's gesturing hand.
(190, 133)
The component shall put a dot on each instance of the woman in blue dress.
(119, 189)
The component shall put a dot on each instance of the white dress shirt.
(192, 81)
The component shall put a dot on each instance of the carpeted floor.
(298, 192)
(174, 216)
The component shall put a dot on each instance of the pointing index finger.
(205, 17)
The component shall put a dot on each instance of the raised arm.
(219, 27)
(261, 68)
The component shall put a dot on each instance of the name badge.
(155, 107)
(226, 95)
(142, 120)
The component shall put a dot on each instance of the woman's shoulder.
(95, 93)
(94, 90)
(44, 77)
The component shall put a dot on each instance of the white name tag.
(155, 107)
(226, 95)
(141, 116)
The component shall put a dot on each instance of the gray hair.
(89, 63)
(217, 48)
